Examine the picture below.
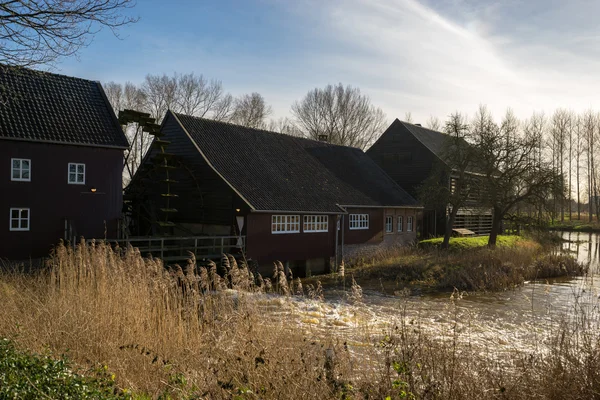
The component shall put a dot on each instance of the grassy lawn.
(465, 243)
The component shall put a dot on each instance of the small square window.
(20, 170)
(76, 174)
(19, 219)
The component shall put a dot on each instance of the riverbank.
(182, 335)
(575, 226)
(469, 265)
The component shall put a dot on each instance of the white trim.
(409, 223)
(400, 223)
(391, 225)
(358, 221)
(19, 218)
(284, 224)
(316, 220)
(20, 169)
(77, 173)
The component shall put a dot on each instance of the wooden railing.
(178, 248)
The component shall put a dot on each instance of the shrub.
(33, 376)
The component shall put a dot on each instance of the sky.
(428, 57)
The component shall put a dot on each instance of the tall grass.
(192, 333)
(470, 265)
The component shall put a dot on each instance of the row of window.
(291, 223)
(21, 171)
(389, 224)
(320, 223)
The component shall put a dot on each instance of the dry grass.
(473, 269)
(189, 333)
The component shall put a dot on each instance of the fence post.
(195, 247)
(162, 248)
(222, 248)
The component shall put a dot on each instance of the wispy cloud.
(429, 57)
(428, 60)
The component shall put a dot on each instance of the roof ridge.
(40, 72)
(423, 127)
(259, 130)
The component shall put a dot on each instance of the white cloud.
(410, 57)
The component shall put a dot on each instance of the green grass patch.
(465, 243)
(33, 376)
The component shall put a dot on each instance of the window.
(389, 224)
(316, 223)
(359, 221)
(19, 219)
(399, 223)
(409, 224)
(76, 174)
(20, 170)
(285, 224)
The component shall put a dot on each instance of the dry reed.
(190, 333)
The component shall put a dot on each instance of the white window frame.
(389, 224)
(400, 223)
(285, 224)
(77, 173)
(409, 223)
(315, 223)
(20, 219)
(358, 221)
(20, 169)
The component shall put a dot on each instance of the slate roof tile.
(46, 107)
(277, 172)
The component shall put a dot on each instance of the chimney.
(323, 138)
(417, 124)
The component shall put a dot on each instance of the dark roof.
(436, 142)
(276, 172)
(355, 168)
(46, 107)
(433, 140)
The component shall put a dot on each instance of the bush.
(33, 376)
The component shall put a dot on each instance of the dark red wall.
(358, 236)
(264, 246)
(51, 198)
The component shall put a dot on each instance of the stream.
(516, 319)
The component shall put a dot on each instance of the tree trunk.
(449, 226)
(578, 197)
(496, 223)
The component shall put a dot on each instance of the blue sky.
(429, 57)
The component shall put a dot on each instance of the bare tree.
(161, 94)
(342, 114)
(579, 151)
(560, 131)
(130, 97)
(408, 117)
(283, 125)
(251, 110)
(450, 184)
(505, 156)
(434, 123)
(201, 98)
(589, 128)
(40, 32)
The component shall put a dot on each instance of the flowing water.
(516, 319)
